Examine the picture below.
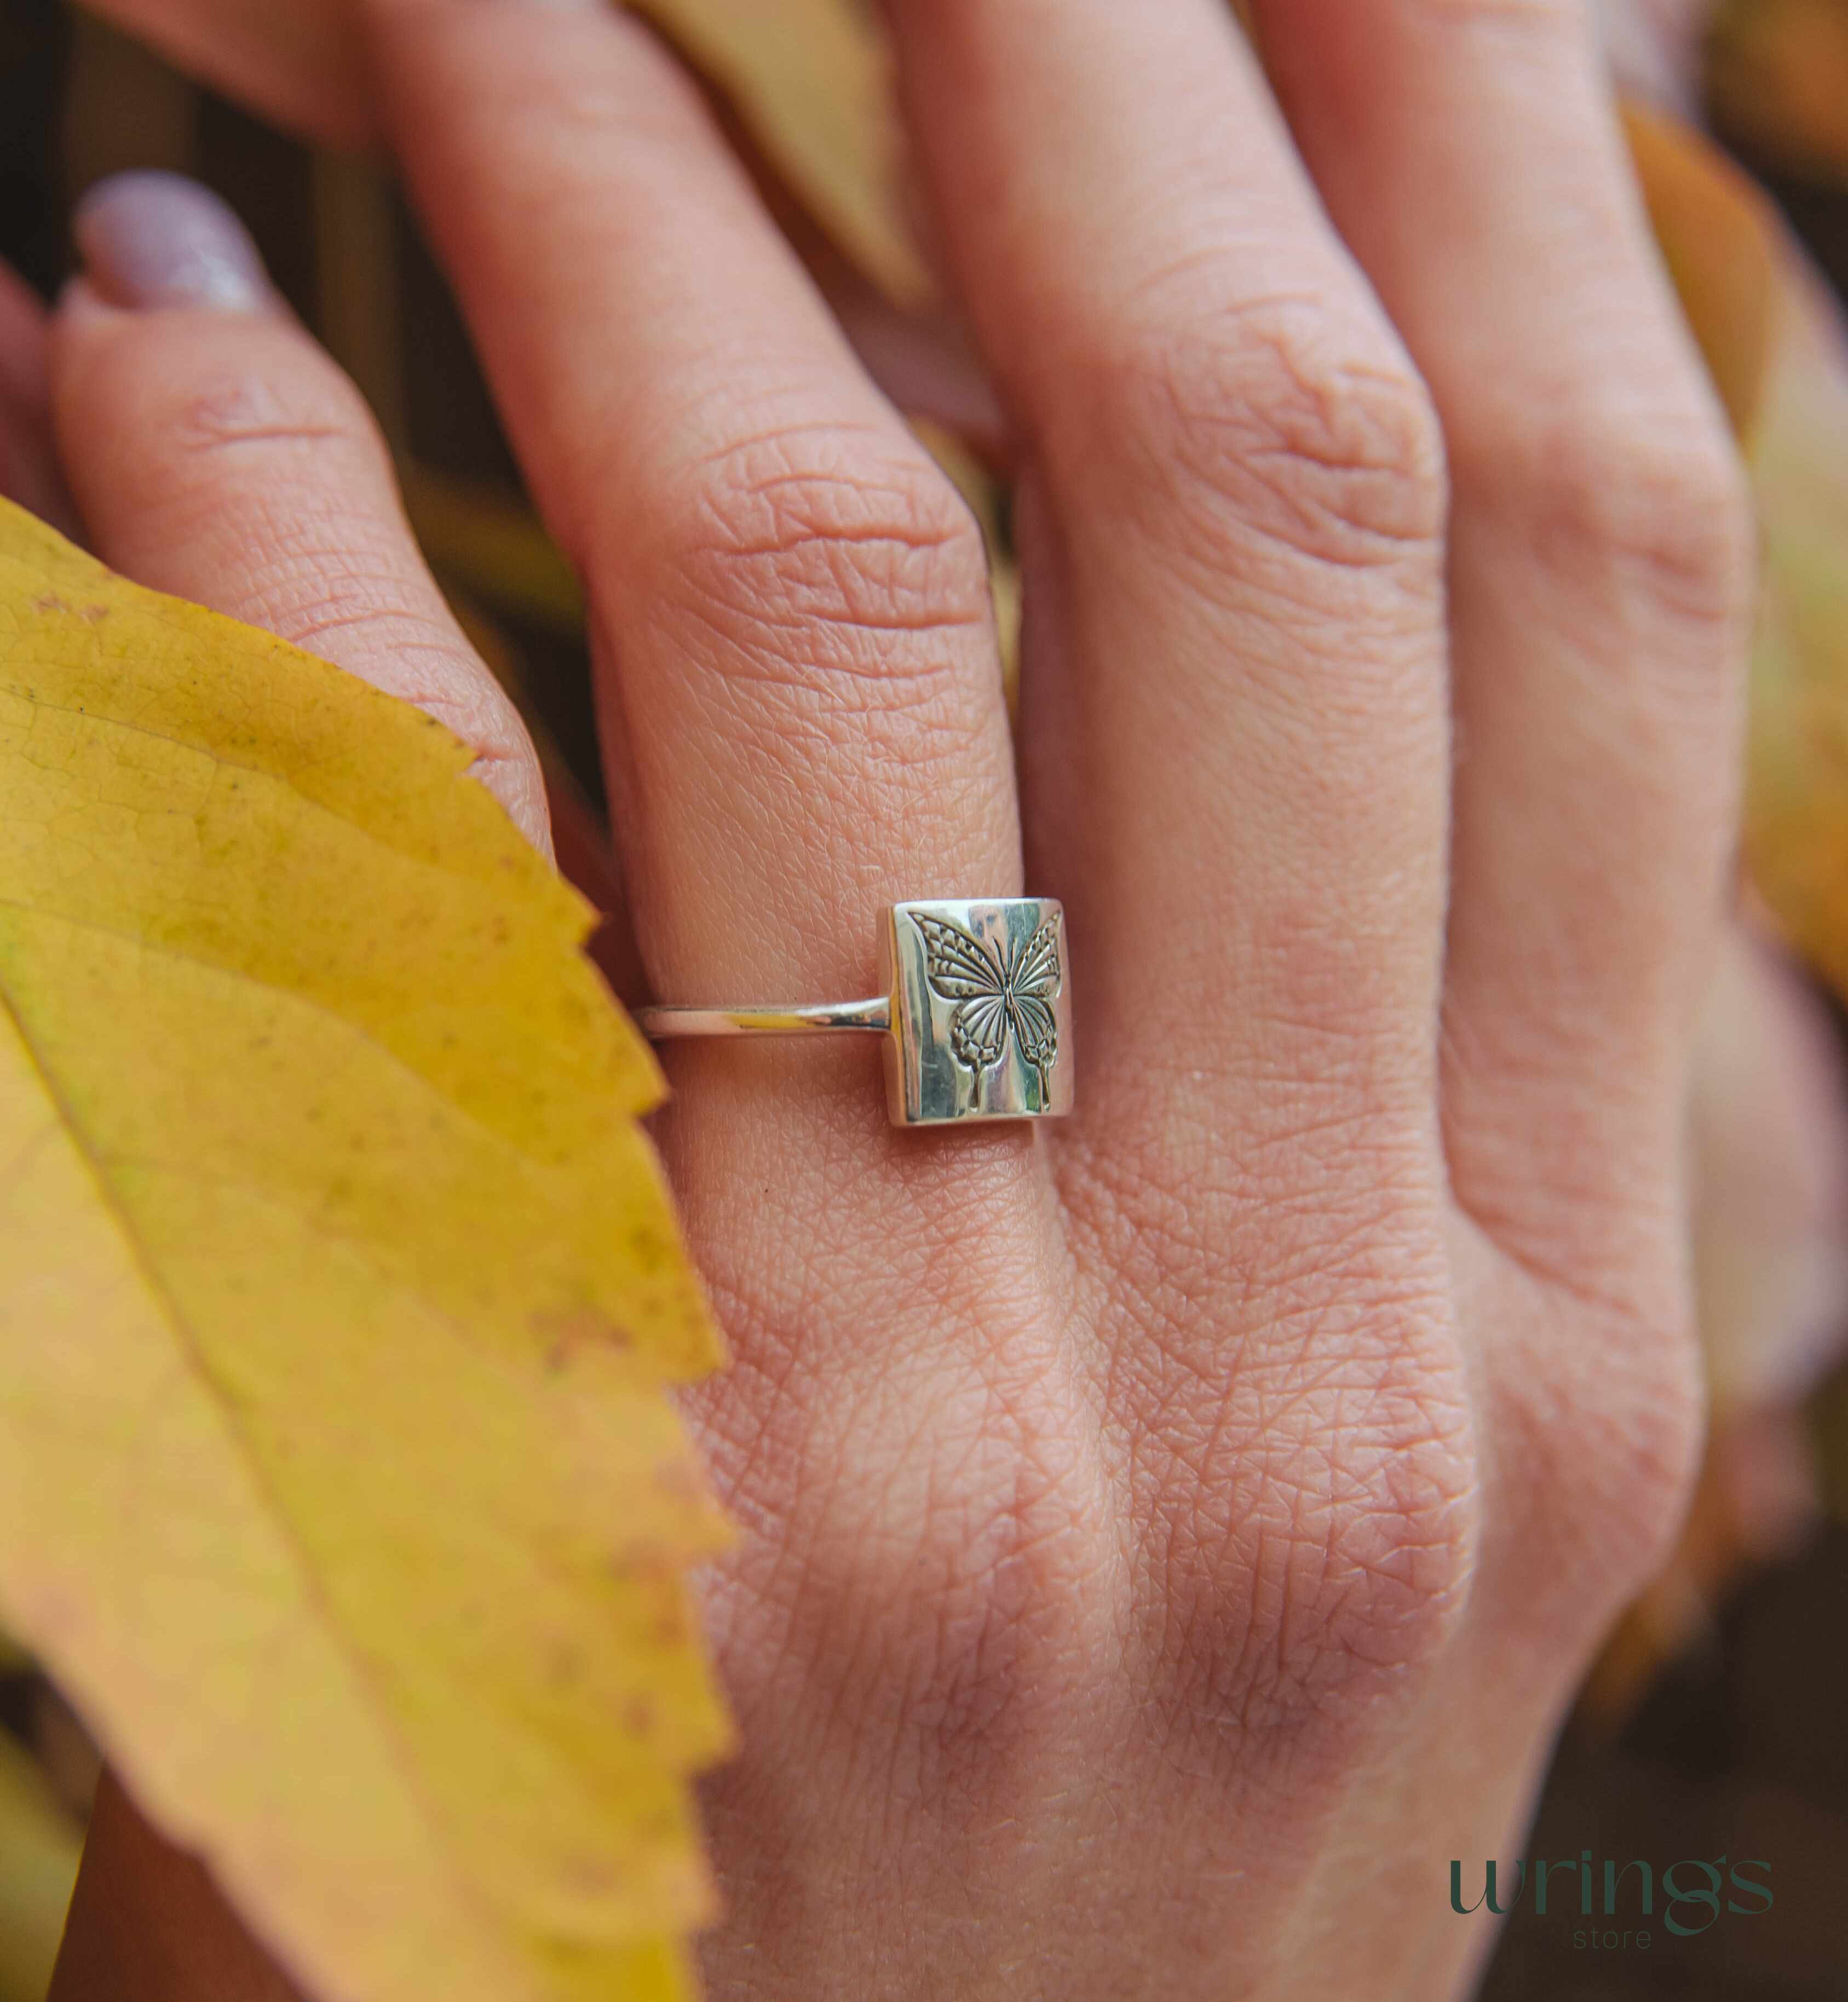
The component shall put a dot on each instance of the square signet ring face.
(976, 1014)
(980, 1013)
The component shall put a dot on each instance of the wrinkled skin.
(1168, 1538)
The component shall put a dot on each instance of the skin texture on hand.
(1168, 1538)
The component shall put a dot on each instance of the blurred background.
(1715, 1725)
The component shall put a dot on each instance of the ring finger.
(801, 698)
(791, 602)
(799, 679)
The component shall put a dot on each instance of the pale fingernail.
(159, 239)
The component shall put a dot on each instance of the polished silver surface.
(976, 1017)
(857, 1017)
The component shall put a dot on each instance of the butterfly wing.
(956, 965)
(1032, 981)
(978, 1030)
(1035, 973)
(959, 969)
(1035, 1028)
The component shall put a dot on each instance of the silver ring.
(976, 1017)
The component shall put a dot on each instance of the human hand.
(1166, 1538)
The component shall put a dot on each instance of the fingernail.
(159, 239)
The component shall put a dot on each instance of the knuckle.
(1281, 424)
(1358, 1536)
(1611, 1426)
(272, 460)
(827, 568)
(1326, 1505)
(963, 1574)
(1007, 1633)
(1641, 493)
(197, 413)
(233, 409)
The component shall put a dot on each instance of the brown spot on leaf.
(564, 1334)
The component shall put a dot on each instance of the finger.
(1233, 700)
(805, 719)
(1600, 566)
(28, 463)
(1234, 733)
(804, 722)
(217, 453)
(146, 1920)
(295, 62)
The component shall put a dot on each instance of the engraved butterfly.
(996, 990)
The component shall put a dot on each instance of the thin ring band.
(976, 1019)
(872, 1017)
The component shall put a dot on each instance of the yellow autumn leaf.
(1796, 790)
(338, 1487)
(1716, 236)
(1773, 340)
(812, 82)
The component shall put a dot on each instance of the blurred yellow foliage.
(1774, 340)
